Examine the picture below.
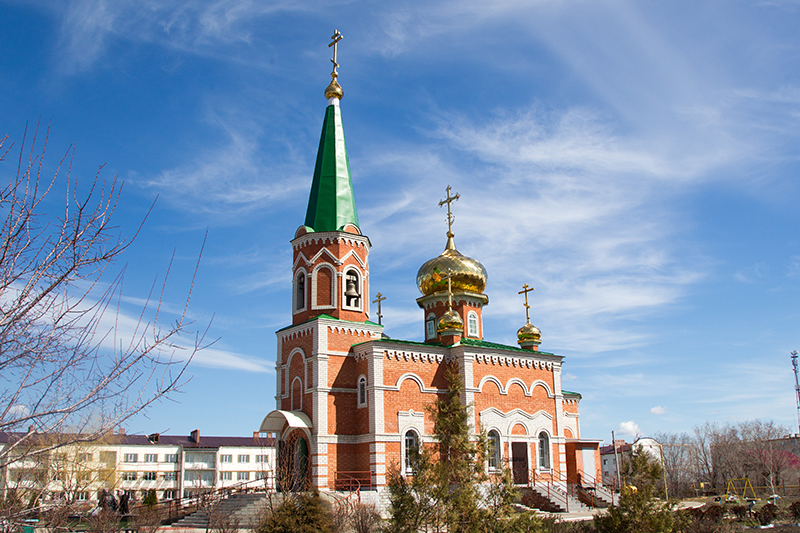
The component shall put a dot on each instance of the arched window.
(544, 450)
(300, 292)
(411, 446)
(472, 324)
(297, 394)
(430, 326)
(352, 289)
(362, 391)
(323, 293)
(495, 450)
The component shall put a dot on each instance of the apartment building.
(171, 465)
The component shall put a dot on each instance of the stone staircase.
(242, 507)
(552, 497)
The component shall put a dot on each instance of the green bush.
(303, 513)
(150, 498)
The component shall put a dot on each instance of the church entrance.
(292, 475)
(519, 462)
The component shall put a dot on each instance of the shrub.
(305, 513)
(740, 511)
(365, 519)
(794, 509)
(714, 513)
(767, 514)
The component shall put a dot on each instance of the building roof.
(331, 204)
(185, 441)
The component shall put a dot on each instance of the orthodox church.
(351, 401)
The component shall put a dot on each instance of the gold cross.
(380, 298)
(448, 277)
(449, 200)
(525, 290)
(336, 38)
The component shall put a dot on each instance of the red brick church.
(351, 401)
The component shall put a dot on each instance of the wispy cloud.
(658, 410)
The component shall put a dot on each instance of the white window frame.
(130, 458)
(473, 326)
(242, 476)
(362, 390)
(242, 458)
(430, 326)
(150, 476)
(496, 449)
(407, 468)
(226, 476)
(359, 284)
(226, 458)
(315, 285)
(170, 476)
(151, 458)
(543, 459)
(300, 273)
(171, 458)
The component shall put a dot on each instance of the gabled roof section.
(331, 204)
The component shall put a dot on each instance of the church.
(351, 402)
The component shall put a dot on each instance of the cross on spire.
(379, 298)
(525, 290)
(336, 38)
(450, 217)
(448, 277)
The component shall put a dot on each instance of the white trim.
(295, 308)
(315, 283)
(470, 332)
(358, 391)
(359, 284)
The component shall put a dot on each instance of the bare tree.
(67, 367)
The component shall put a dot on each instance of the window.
(430, 327)
(130, 458)
(411, 447)
(149, 476)
(108, 457)
(151, 458)
(129, 476)
(85, 457)
(300, 291)
(352, 289)
(84, 477)
(472, 324)
(81, 496)
(225, 476)
(242, 476)
(495, 450)
(130, 494)
(226, 458)
(170, 476)
(244, 458)
(362, 391)
(262, 475)
(262, 458)
(171, 458)
(544, 450)
(169, 495)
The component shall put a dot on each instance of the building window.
(352, 289)
(84, 457)
(300, 291)
(171, 458)
(430, 327)
(149, 476)
(129, 476)
(151, 458)
(242, 476)
(472, 324)
(170, 476)
(169, 494)
(226, 458)
(130, 458)
(262, 458)
(411, 442)
(544, 450)
(225, 476)
(362, 391)
(82, 496)
(262, 475)
(244, 458)
(495, 450)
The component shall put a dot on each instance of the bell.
(351, 291)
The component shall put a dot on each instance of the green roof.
(331, 204)
(496, 346)
(329, 317)
(570, 393)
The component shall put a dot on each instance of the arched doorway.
(293, 463)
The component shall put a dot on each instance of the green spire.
(332, 204)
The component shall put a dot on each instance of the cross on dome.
(336, 38)
(450, 217)
(525, 290)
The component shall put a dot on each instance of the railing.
(549, 490)
(352, 482)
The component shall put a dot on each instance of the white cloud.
(628, 429)
(658, 410)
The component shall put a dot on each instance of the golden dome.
(450, 320)
(529, 332)
(468, 275)
(334, 90)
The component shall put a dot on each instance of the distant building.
(621, 451)
(172, 465)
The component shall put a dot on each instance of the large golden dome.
(467, 274)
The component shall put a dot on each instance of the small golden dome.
(334, 90)
(468, 275)
(450, 320)
(529, 332)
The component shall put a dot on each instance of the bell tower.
(330, 269)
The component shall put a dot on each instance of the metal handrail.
(553, 492)
(348, 503)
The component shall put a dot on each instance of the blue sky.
(636, 162)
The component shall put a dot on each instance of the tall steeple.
(332, 204)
